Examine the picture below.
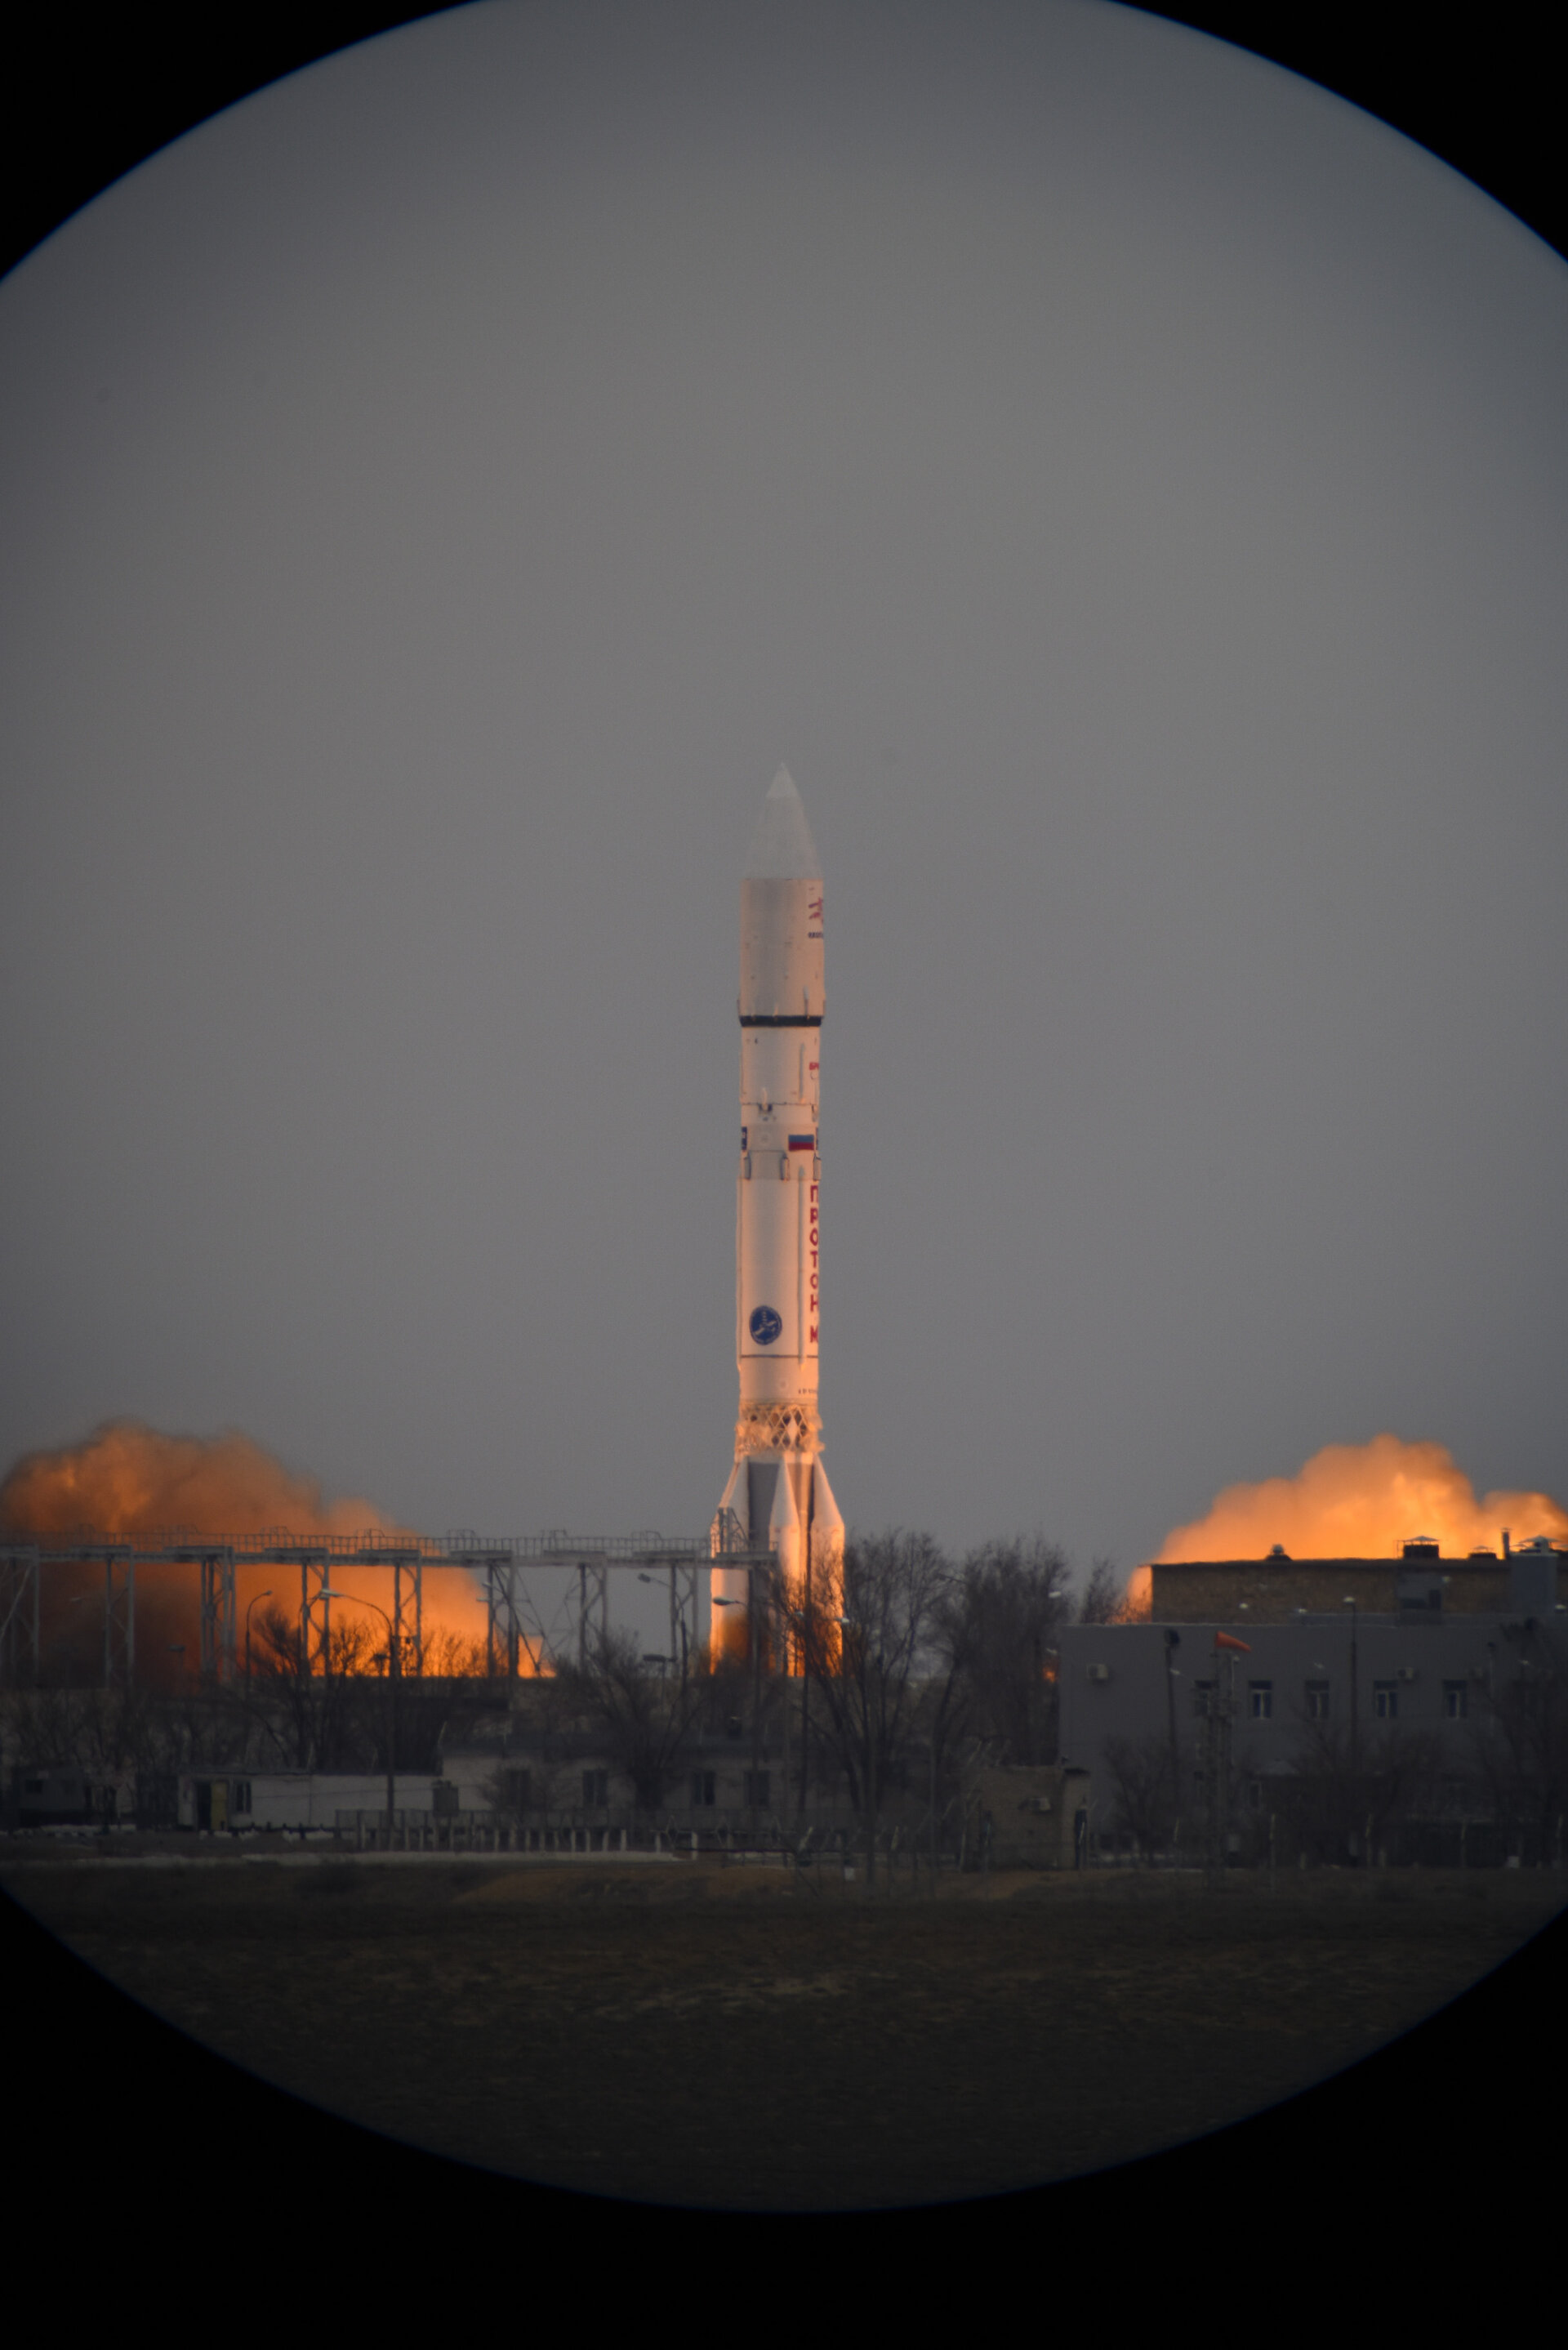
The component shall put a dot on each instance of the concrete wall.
(1112, 1683)
(557, 1786)
(1031, 1811)
(313, 1799)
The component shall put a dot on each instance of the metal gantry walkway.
(514, 1628)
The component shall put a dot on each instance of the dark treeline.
(917, 1664)
(279, 1714)
(881, 1696)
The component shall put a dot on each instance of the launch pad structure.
(517, 1640)
(773, 1556)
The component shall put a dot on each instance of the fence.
(424, 1831)
(1280, 1840)
(740, 1838)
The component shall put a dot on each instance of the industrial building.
(1420, 1697)
(1417, 1583)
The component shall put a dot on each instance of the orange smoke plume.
(128, 1479)
(1361, 1501)
(1138, 1600)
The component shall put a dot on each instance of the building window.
(239, 1796)
(1456, 1701)
(596, 1790)
(517, 1789)
(1262, 1697)
(701, 1787)
(756, 1785)
(1254, 1794)
(1317, 1700)
(1385, 1701)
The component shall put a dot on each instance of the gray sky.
(1126, 484)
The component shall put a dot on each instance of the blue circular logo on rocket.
(766, 1324)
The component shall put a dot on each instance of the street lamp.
(391, 1697)
(305, 1633)
(260, 1595)
(1354, 1724)
(1172, 1642)
(754, 1634)
(849, 1624)
(677, 1614)
(804, 1620)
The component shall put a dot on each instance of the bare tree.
(315, 1715)
(1333, 1808)
(996, 1627)
(646, 1720)
(1103, 1598)
(1519, 1738)
(434, 1706)
(1140, 1770)
(90, 1730)
(870, 1665)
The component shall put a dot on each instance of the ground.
(691, 2035)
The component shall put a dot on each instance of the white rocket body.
(778, 1497)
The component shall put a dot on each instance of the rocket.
(778, 1497)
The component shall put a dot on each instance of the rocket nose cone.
(782, 846)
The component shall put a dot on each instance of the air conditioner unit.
(1404, 1672)
(1096, 1672)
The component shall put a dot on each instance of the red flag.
(1224, 1640)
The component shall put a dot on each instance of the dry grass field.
(699, 2037)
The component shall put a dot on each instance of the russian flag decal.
(803, 1142)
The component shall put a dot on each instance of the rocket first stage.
(778, 1497)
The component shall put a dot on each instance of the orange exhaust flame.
(1361, 1501)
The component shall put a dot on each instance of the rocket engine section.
(778, 1498)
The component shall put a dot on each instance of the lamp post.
(796, 1623)
(804, 1687)
(677, 1616)
(305, 1633)
(1355, 1729)
(1172, 1642)
(260, 1595)
(871, 1730)
(754, 1634)
(392, 1698)
(755, 1631)
(847, 1623)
